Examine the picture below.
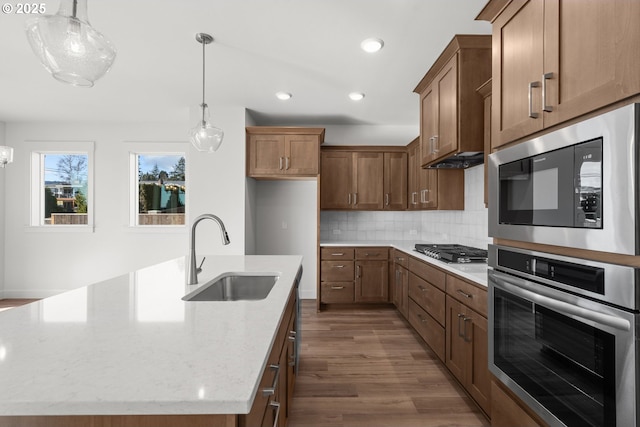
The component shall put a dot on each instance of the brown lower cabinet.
(507, 413)
(354, 275)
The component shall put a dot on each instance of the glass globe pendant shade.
(68, 46)
(204, 136)
(6, 155)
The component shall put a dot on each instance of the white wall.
(370, 134)
(286, 224)
(2, 208)
(40, 263)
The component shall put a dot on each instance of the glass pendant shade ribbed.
(68, 46)
(204, 136)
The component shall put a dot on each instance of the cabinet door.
(428, 123)
(336, 180)
(372, 281)
(428, 188)
(266, 155)
(592, 48)
(455, 350)
(400, 287)
(301, 154)
(368, 174)
(446, 139)
(412, 182)
(517, 68)
(395, 181)
(478, 379)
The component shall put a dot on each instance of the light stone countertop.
(475, 272)
(130, 345)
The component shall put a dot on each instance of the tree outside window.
(161, 189)
(65, 189)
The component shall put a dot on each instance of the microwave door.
(538, 190)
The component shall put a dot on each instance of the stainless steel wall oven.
(563, 336)
(574, 187)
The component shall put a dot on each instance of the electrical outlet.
(285, 225)
(336, 231)
(413, 232)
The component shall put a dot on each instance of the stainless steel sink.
(234, 287)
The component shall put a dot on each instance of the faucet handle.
(199, 269)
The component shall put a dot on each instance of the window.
(159, 198)
(62, 186)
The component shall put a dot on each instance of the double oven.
(564, 331)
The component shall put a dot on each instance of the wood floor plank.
(367, 367)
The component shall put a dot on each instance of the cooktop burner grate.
(452, 252)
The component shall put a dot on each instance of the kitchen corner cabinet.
(450, 109)
(283, 152)
(432, 189)
(354, 275)
(467, 339)
(555, 60)
(363, 180)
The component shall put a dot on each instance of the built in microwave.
(572, 187)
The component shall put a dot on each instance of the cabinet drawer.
(336, 253)
(261, 401)
(468, 294)
(336, 271)
(400, 258)
(427, 327)
(428, 297)
(336, 292)
(381, 254)
(431, 274)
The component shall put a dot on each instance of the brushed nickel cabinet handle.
(531, 86)
(399, 259)
(358, 272)
(280, 163)
(422, 288)
(466, 319)
(349, 199)
(338, 254)
(337, 287)
(545, 77)
(386, 199)
(436, 143)
(270, 391)
(431, 145)
(464, 294)
(413, 198)
(338, 266)
(355, 199)
(460, 317)
(287, 161)
(275, 405)
(422, 319)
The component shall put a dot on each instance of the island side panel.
(121, 421)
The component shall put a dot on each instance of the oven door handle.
(527, 290)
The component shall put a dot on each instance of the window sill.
(60, 228)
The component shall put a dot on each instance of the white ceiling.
(310, 48)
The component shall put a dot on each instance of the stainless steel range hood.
(459, 161)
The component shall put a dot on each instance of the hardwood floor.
(6, 304)
(367, 367)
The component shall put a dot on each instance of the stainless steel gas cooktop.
(452, 253)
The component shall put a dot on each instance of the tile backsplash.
(467, 227)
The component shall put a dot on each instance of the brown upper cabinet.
(283, 152)
(451, 112)
(430, 189)
(555, 60)
(363, 180)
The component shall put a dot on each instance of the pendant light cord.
(203, 69)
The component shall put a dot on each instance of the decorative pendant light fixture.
(204, 136)
(68, 46)
(6, 155)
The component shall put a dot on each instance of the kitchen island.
(122, 350)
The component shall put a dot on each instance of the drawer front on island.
(428, 328)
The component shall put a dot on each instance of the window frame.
(134, 187)
(37, 152)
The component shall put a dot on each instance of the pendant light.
(204, 136)
(68, 46)
(6, 155)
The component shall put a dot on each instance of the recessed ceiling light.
(371, 45)
(283, 95)
(356, 96)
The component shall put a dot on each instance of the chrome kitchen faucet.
(192, 278)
